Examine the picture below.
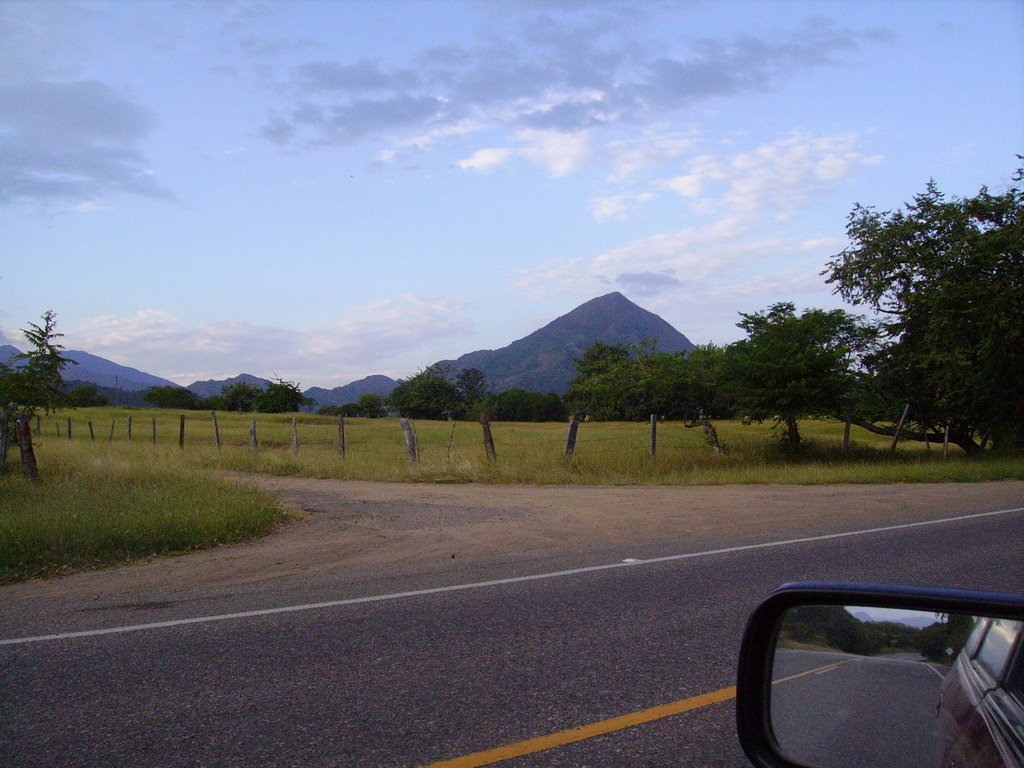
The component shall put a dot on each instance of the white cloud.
(485, 159)
(374, 338)
(559, 153)
(617, 206)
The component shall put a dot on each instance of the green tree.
(170, 397)
(792, 366)
(85, 396)
(947, 278)
(35, 379)
(521, 405)
(281, 396)
(240, 396)
(472, 385)
(370, 405)
(429, 394)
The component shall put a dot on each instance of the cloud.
(485, 159)
(617, 206)
(64, 139)
(559, 153)
(647, 283)
(560, 69)
(365, 340)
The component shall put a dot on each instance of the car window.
(974, 640)
(996, 647)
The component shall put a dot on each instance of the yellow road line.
(540, 743)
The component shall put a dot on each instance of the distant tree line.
(941, 357)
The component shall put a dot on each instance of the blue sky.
(323, 191)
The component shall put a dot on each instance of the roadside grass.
(94, 509)
(453, 452)
(106, 499)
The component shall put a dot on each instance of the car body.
(981, 708)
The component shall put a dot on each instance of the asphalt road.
(861, 710)
(427, 677)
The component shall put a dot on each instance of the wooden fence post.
(410, 440)
(154, 430)
(113, 421)
(216, 429)
(341, 434)
(92, 435)
(5, 417)
(29, 468)
(295, 436)
(485, 423)
(254, 445)
(129, 429)
(945, 442)
(570, 442)
(69, 428)
(654, 435)
(181, 432)
(899, 427)
(846, 435)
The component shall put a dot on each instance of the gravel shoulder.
(351, 527)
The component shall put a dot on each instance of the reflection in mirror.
(857, 686)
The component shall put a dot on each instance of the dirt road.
(359, 526)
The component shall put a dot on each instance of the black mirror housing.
(757, 652)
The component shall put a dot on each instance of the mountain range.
(541, 362)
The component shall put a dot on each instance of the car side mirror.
(837, 675)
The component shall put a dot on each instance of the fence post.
(181, 432)
(129, 429)
(485, 423)
(29, 468)
(216, 429)
(846, 434)
(92, 435)
(69, 427)
(154, 430)
(341, 434)
(4, 419)
(254, 445)
(410, 440)
(295, 436)
(112, 422)
(570, 442)
(654, 435)
(899, 427)
(945, 442)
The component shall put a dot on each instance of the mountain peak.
(545, 360)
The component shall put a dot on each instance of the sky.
(321, 191)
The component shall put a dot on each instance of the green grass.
(105, 499)
(95, 509)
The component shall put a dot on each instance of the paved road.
(433, 676)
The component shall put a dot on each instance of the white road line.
(631, 563)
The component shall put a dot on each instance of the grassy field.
(105, 498)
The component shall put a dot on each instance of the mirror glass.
(857, 686)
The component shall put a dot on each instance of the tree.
(429, 394)
(947, 277)
(170, 397)
(85, 396)
(520, 405)
(280, 396)
(370, 405)
(472, 385)
(792, 366)
(240, 396)
(35, 379)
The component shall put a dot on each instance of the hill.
(376, 385)
(212, 387)
(543, 361)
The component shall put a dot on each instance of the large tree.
(792, 366)
(429, 394)
(946, 275)
(280, 396)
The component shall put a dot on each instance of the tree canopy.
(946, 276)
(35, 379)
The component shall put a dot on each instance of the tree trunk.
(29, 468)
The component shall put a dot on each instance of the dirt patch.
(355, 526)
